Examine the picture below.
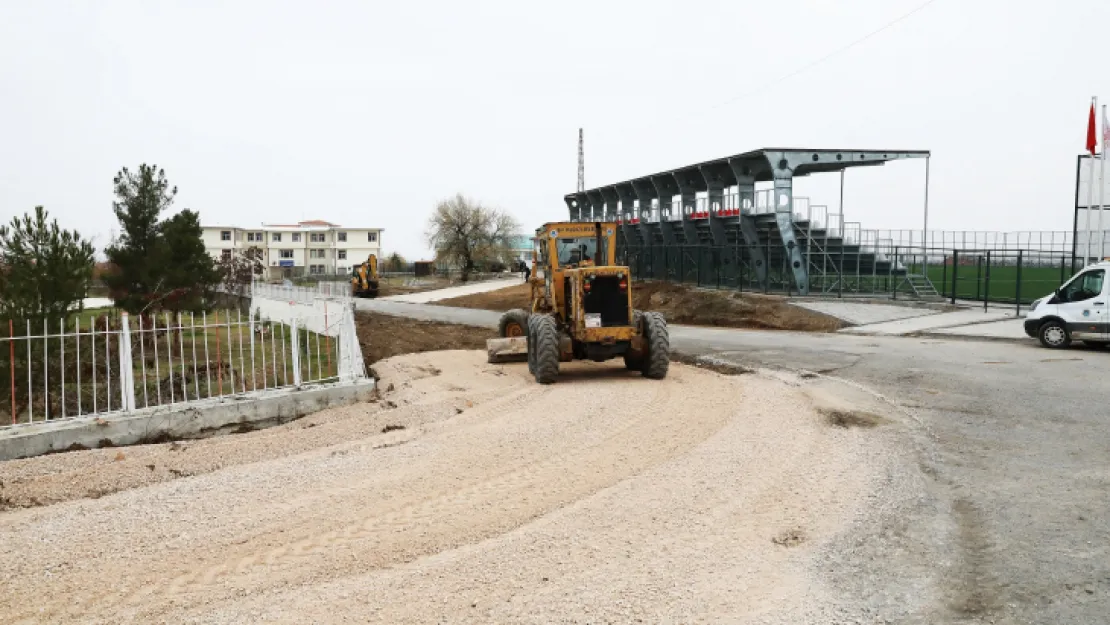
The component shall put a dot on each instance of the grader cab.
(581, 307)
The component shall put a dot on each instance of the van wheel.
(1054, 335)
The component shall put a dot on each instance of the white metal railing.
(302, 294)
(90, 366)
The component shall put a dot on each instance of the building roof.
(313, 224)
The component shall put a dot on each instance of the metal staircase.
(921, 286)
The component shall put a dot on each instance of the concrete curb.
(970, 337)
(164, 423)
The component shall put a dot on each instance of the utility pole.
(581, 164)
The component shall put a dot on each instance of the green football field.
(1000, 283)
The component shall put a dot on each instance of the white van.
(1075, 311)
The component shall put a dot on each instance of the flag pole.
(1102, 189)
(1090, 186)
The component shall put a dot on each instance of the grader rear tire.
(545, 353)
(513, 323)
(658, 359)
(633, 363)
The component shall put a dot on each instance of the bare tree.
(466, 234)
(238, 270)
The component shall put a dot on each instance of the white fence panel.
(98, 365)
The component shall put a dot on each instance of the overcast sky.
(366, 113)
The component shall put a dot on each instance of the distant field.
(971, 282)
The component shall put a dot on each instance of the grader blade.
(511, 349)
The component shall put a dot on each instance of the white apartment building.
(306, 248)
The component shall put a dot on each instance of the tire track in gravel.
(496, 466)
(550, 482)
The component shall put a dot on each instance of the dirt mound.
(502, 299)
(732, 309)
(683, 304)
(383, 336)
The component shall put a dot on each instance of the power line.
(810, 65)
(828, 56)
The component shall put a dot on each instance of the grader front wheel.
(543, 349)
(513, 323)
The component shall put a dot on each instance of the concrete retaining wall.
(195, 420)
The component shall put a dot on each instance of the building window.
(316, 237)
(255, 236)
(372, 237)
(342, 237)
(225, 255)
(225, 235)
(316, 269)
(285, 254)
(316, 253)
(296, 237)
(341, 254)
(276, 237)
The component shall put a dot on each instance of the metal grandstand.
(709, 218)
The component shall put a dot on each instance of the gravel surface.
(603, 498)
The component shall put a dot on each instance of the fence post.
(295, 342)
(718, 259)
(767, 269)
(894, 278)
(1017, 295)
(955, 272)
(978, 276)
(126, 367)
(840, 272)
(943, 271)
(987, 281)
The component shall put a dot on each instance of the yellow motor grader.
(581, 308)
(364, 278)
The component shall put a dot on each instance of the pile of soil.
(683, 304)
(382, 336)
(515, 296)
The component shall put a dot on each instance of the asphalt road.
(1013, 438)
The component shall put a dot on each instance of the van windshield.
(1084, 286)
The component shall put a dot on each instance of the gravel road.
(604, 498)
(1015, 441)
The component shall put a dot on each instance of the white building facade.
(307, 248)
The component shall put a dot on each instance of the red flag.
(1092, 132)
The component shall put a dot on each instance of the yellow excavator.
(364, 278)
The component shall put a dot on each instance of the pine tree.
(44, 270)
(190, 273)
(138, 255)
(156, 265)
